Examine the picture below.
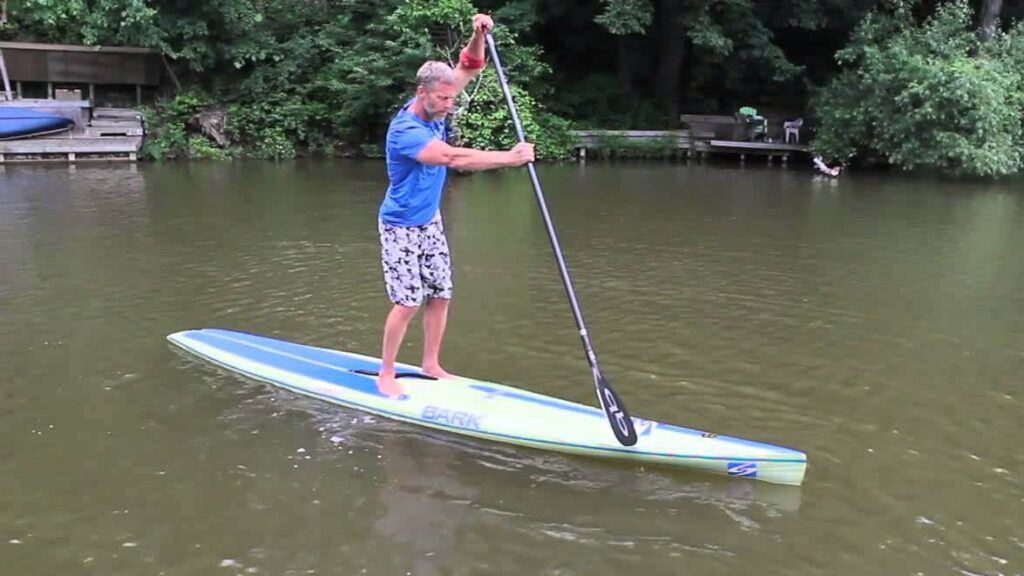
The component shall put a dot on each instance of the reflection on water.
(871, 321)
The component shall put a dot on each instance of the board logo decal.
(454, 418)
(744, 469)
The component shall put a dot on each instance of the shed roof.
(77, 48)
(34, 62)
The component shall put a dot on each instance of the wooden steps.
(114, 122)
(125, 113)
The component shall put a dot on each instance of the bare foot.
(437, 372)
(388, 385)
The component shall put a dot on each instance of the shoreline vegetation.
(929, 85)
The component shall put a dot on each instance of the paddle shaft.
(622, 424)
(566, 281)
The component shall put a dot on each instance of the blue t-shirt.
(414, 190)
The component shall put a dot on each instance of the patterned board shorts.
(416, 262)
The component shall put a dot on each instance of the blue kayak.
(22, 123)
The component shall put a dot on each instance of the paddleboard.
(485, 409)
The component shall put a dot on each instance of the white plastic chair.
(793, 127)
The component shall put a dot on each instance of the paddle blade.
(615, 410)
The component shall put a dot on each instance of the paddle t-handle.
(611, 403)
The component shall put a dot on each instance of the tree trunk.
(666, 88)
(213, 121)
(625, 67)
(989, 19)
(672, 48)
(3, 11)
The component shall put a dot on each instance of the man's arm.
(471, 59)
(438, 153)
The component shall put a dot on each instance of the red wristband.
(470, 62)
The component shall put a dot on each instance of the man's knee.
(405, 311)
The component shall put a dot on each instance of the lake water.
(875, 322)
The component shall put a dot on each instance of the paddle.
(614, 409)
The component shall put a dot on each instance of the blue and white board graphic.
(485, 409)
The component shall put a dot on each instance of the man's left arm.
(471, 59)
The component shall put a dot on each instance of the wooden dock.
(678, 142)
(622, 141)
(106, 135)
(769, 149)
(79, 149)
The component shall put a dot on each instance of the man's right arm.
(439, 153)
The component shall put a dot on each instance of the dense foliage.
(913, 83)
(315, 76)
(930, 95)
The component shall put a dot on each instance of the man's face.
(437, 100)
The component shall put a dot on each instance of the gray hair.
(434, 72)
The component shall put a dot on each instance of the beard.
(434, 113)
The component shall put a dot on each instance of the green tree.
(88, 22)
(333, 87)
(366, 84)
(928, 95)
(690, 49)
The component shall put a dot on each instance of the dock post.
(6, 79)
(583, 155)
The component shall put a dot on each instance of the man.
(414, 250)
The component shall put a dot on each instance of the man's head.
(435, 89)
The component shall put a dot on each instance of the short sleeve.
(408, 139)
